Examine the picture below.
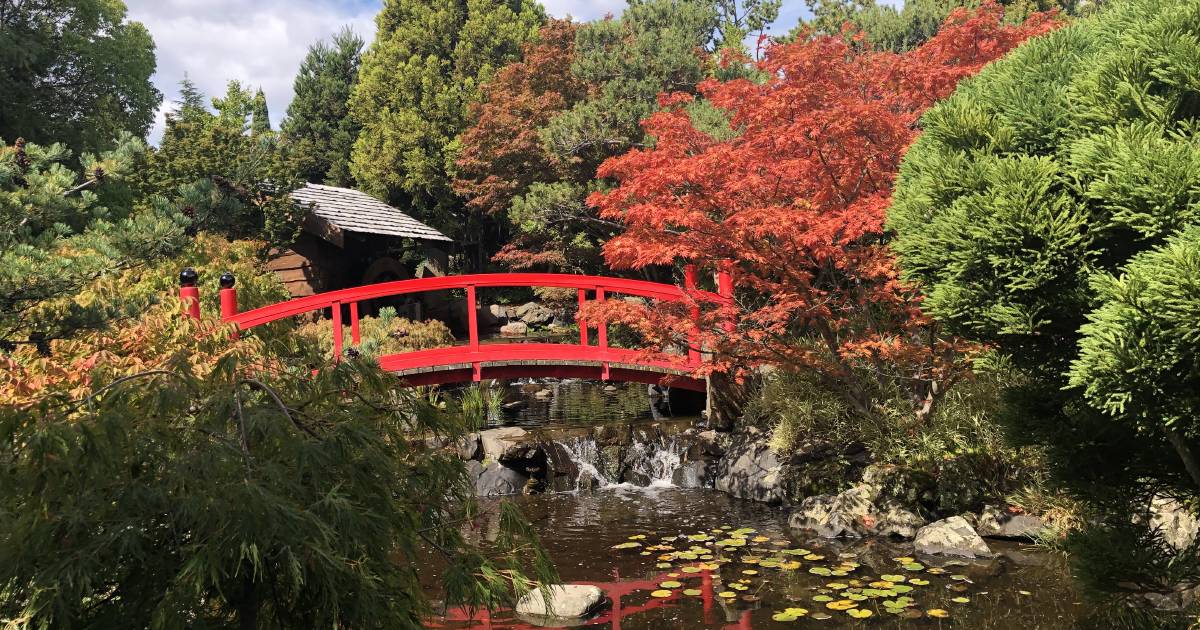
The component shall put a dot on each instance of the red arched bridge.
(477, 361)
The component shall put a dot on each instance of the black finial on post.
(227, 280)
(188, 277)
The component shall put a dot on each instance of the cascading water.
(639, 464)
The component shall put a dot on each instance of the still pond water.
(680, 559)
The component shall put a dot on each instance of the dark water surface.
(1021, 589)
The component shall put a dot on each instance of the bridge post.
(583, 331)
(602, 336)
(355, 334)
(189, 295)
(336, 309)
(473, 332)
(229, 305)
(689, 283)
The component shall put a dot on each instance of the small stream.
(664, 557)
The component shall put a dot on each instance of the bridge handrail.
(625, 286)
(350, 298)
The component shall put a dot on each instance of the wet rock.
(609, 460)
(752, 471)
(568, 601)
(1178, 525)
(543, 394)
(892, 519)
(587, 481)
(474, 469)
(534, 314)
(952, 536)
(997, 523)
(812, 512)
(469, 447)
(514, 329)
(501, 311)
(610, 388)
(499, 480)
(694, 474)
(505, 443)
(562, 471)
(636, 477)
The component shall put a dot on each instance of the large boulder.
(534, 314)
(565, 601)
(469, 447)
(854, 513)
(752, 470)
(1178, 525)
(499, 480)
(505, 444)
(997, 523)
(893, 519)
(952, 536)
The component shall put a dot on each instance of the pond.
(670, 557)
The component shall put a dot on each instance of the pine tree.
(415, 88)
(318, 125)
(260, 118)
(61, 230)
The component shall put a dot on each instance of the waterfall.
(639, 464)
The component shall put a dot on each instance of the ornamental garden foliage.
(1049, 209)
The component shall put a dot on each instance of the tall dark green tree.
(415, 88)
(318, 125)
(75, 72)
(260, 117)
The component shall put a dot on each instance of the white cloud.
(258, 43)
(262, 42)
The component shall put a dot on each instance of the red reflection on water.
(613, 614)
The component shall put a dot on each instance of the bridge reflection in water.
(612, 616)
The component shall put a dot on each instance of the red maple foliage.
(502, 153)
(794, 203)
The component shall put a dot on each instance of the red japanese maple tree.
(794, 205)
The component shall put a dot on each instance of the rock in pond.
(504, 444)
(498, 480)
(566, 601)
(752, 471)
(514, 329)
(952, 536)
(997, 523)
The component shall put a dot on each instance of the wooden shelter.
(351, 239)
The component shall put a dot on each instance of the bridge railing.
(599, 287)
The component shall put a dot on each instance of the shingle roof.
(355, 211)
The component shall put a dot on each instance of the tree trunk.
(1185, 453)
(726, 400)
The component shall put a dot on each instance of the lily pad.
(627, 545)
(859, 613)
(670, 584)
(961, 600)
(661, 593)
(937, 613)
(783, 617)
(727, 594)
(692, 592)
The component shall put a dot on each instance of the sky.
(262, 42)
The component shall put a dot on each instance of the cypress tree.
(318, 124)
(416, 85)
(260, 118)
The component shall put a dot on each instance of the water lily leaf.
(837, 586)
(670, 584)
(892, 578)
(627, 545)
(798, 612)
(820, 616)
(663, 565)
(820, 571)
(919, 582)
(904, 559)
(692, 592)
(902, 588)
(961, 600)
(812, 557)
(661, 593)
(937, 613)
(959, 578)
(783, 617)
(914, 566)
(822, 598)
(859, 613)
(749, 572)
(690, 570)
(935, 571)
(638, 537)
(760, 539)
(856, 597)
(727, 594)
(841, 604)
(1024, 593)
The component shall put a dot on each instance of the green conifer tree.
(260, 118)
(416, 84)
(318, 125)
